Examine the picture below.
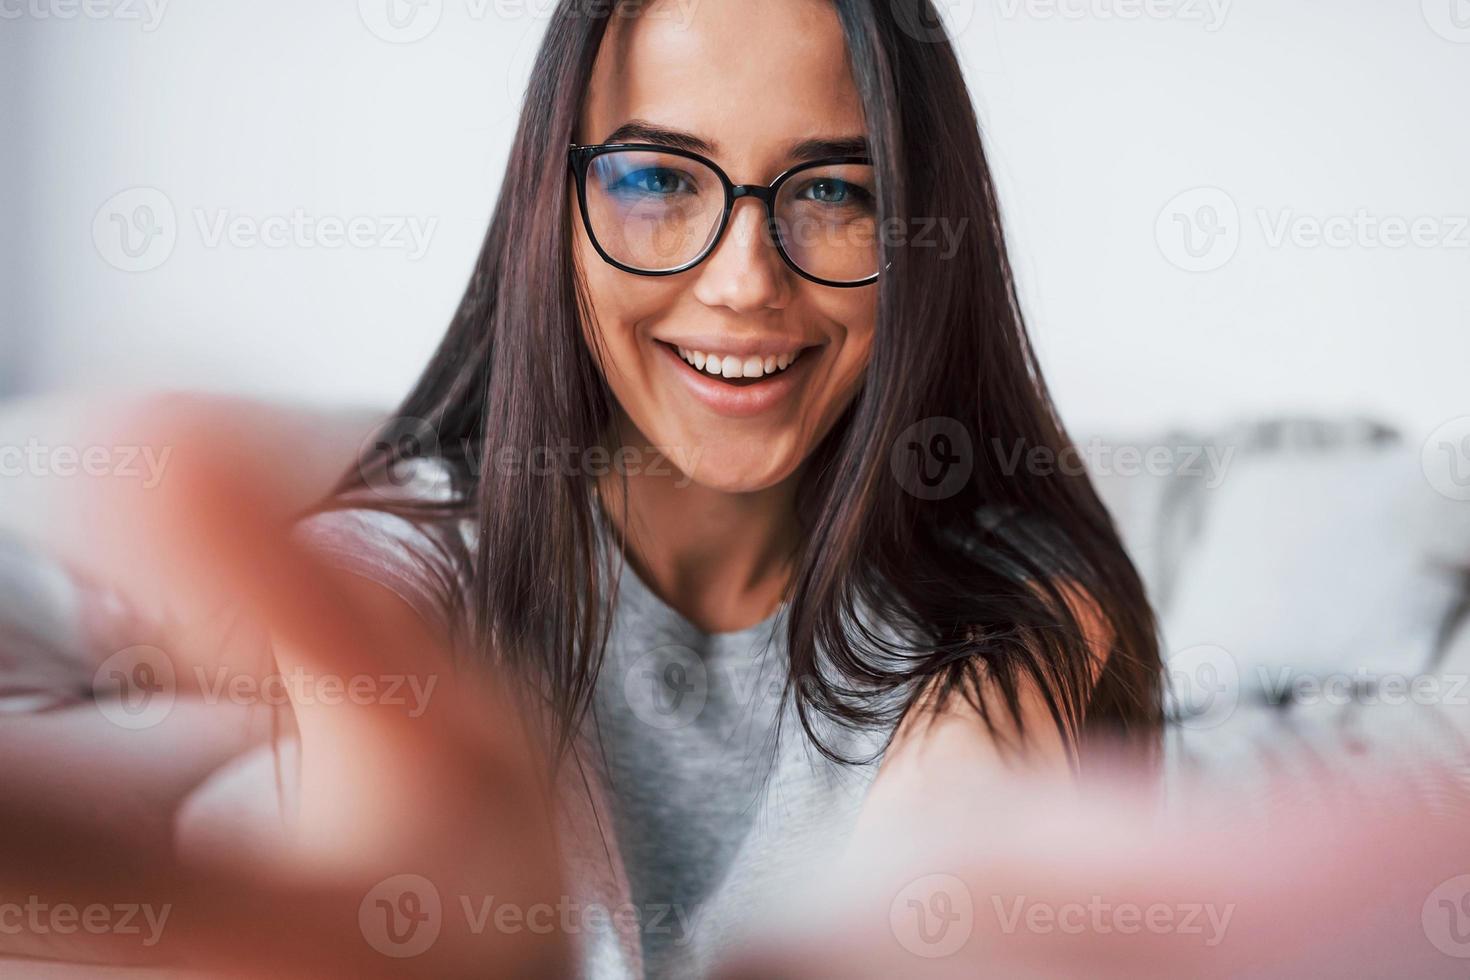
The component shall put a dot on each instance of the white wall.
(1307, 109)
(1095, 122)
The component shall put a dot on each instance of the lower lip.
(739, 402)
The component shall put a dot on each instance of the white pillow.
(1321, 563)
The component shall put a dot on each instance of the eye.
(658, 181)
(836, 192)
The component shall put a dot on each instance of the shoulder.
(1019, 714)
(945, 746)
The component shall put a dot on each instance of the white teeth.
(731, 366)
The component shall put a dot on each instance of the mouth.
(740, 385)
(736, 370)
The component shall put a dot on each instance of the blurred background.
(1218, 208)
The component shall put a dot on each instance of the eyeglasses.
(657, 211)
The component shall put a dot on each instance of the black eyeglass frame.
(580, 157)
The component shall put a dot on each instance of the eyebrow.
(641, 131)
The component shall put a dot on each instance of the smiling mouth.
(734, 370)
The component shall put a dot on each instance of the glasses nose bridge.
(767, 197)
(760, 192)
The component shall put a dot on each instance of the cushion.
(1320, 563)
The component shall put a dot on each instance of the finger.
(217, 528)
(1107, 885)
(145, 909)
(218, 525)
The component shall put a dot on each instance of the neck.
(721, 559)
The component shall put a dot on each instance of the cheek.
(619, 304)
(857, 312)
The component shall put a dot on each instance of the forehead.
(750, 77)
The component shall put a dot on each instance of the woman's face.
(750, 80)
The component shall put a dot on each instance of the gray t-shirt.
(712, 801)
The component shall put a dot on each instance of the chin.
(742, 468)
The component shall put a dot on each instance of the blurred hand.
(1027, 878)
(407, 804)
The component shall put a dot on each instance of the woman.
(719, 458)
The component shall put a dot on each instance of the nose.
(745, 273)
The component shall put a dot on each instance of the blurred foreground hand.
(1029, 878)
(406, 805)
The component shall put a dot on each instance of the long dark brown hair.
(984, 581)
